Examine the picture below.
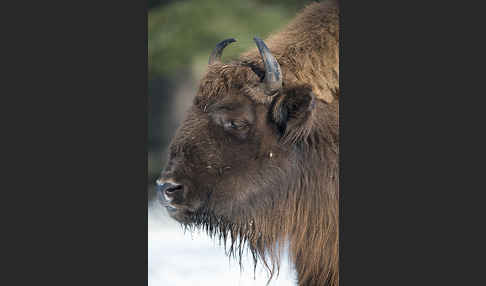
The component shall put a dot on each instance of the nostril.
(168, 188)
(173, 188)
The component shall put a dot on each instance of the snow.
(176, 258)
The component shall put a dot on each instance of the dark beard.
(242, 234)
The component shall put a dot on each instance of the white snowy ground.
(178, 259)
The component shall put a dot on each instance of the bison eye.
(237, 128)
(235, 125)
(230, 125)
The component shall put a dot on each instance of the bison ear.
(292, 111)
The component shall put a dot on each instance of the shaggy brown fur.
(263, 170)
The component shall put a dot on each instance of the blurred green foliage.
(181, 33)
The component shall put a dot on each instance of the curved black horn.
(273, 75)
(216, 54)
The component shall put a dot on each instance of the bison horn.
(273, 76)
(216, 54)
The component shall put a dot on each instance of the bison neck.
(305, 212)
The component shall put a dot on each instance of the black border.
(79, 207)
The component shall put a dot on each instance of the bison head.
(241, 145)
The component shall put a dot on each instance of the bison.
(256, 160)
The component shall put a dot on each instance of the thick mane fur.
(302, 207)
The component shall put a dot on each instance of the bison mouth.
(195, 212)
(183, 216)
(180, 213)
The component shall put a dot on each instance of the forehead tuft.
(228, 79)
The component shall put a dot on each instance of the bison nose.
(169, 189)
